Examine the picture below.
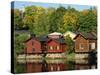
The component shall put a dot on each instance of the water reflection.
(39, 65)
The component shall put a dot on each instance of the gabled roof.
(55, 33)
(29, 39)
(59, 40)
(88, 35)
(41, 38)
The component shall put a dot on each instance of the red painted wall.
(54, 44)
(36, 45)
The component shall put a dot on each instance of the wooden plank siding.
(84, 45)
(52, 47)
(81, 40)
(33, 46)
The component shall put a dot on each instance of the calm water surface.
(39, 65)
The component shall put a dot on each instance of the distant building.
(55, 35)
(70, 34)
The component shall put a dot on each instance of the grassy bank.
(70, 57)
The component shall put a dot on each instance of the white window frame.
(58, 47)
(93, 45)
(51, 47)
(80, 46)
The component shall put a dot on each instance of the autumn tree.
(41, 21)
(70, 21)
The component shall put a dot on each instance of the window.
(81, 46)
(51, 47)
(92, 45)
(58, 48)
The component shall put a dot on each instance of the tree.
(88, 22)
(18, 42)
(36, 18)
(70, 21)
(17, 19)
(41, 21)
(70, 44)
(56, 19)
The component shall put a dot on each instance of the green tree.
(19, 42)
(56, 19)
(88, 22)
(36, 18)
(70, 44)
(17, 19)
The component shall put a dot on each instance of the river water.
(41, 65)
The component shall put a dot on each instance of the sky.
(22, 4)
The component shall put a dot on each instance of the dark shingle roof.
(88, 35)
(60, 40)
(46, 38)
(42, 38)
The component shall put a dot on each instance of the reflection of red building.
(56, 67)
(40, 67)
(33, 67)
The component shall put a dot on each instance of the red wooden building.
(56, 45)
(32, 45)
(35, 45)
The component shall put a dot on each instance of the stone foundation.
(40, 56)
(29, 61)
(31, 56)
(55, 55)
(81, 56)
